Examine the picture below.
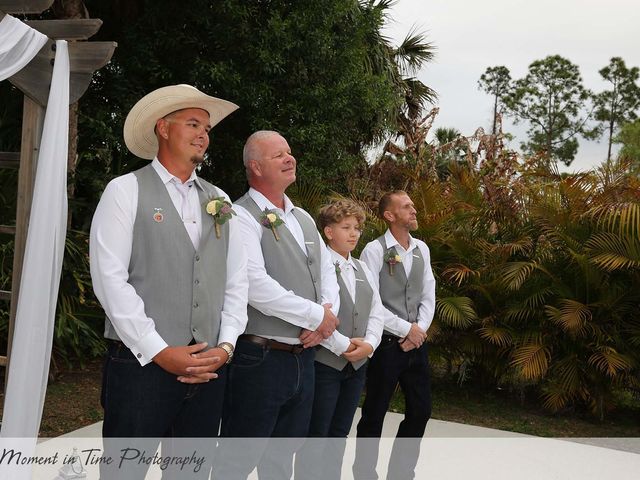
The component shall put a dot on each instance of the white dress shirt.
(378, 313)
(110, 251)
(267, 295)
(373, 255)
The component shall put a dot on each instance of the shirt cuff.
(337, 343)
(371, 340)
(424, 324)
(316, 314)
(148, 347)
(227, 334)
(400, 327)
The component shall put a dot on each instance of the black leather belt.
(272, 344)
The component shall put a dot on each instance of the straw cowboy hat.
(139, 127)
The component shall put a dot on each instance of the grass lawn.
(501, 410)
(73, 401)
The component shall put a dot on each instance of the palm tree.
(579, 340)
(399, 64)
(538, 279)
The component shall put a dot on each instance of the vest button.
(197, 258)
(196, 282)
(195, 305)
(355, 314)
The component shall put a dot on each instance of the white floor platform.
(448, 451)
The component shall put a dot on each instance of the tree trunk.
(495, 114)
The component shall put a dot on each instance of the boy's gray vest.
(399, 294)
(354, 318)
(182, 289)
(286, 263)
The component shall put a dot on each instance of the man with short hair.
(168, 268)
(293, 301)
(401, 266)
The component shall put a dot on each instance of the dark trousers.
(269, 396)
(388, 367)
(337, 394)
(143, 405)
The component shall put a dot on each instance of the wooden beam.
(8, 229)
(70, 29)
(3, 361)
(5, 295)
(25, 6)
(87, 57)
(84, 58)
(32, 122)
(34, 80)
(9, 159)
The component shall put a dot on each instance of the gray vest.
(182, 289)
(286, 263)
(399, 294)
(354, 318)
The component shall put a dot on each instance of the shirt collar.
(336, 257)
(263, 202)
(391, 241)
(167, 177)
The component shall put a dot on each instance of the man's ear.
(255, 168)
(388, 216)
(328, 232)
(162, 128)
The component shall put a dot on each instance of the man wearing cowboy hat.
(166, 269)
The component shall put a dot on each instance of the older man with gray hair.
(293, 301)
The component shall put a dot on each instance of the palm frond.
(532, 360)
(457, 312)
(413, 52)
(514, 274)
(567, 373)
(538, 297)
(309, 195)
(556, 400)
(519, 314)
(610, 362)
(612, 252)
(458, 273)
(572, 316)
(623, 219)
(495, 335)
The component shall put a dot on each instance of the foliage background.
(538, 273)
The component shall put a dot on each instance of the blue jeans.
(269, 395)
(146, 404)
(388, 367)
(335, 402)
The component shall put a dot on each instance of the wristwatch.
(227, 347)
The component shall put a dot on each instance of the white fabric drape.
(35, 314)
(19, 43)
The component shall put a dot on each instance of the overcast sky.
(473, 35)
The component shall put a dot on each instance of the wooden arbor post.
(35, 81)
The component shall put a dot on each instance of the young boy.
(340, 379)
